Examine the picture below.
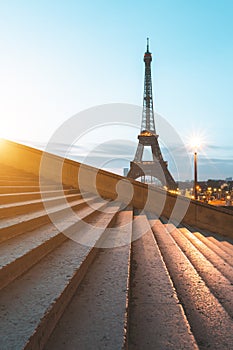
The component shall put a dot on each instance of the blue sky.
(61, 57)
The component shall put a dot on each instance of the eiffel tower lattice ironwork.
(148, 137)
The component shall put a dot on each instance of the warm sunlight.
(9, 130)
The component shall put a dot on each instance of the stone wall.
(108, 185)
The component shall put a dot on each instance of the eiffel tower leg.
(135, 171)
(165, 177)
(139, 153)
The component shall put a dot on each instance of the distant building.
(229, 178)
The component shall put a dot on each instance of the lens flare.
(196, 141)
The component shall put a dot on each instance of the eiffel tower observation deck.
(157, 167)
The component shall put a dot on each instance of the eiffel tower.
(148, 137)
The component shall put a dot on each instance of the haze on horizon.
(59, 58)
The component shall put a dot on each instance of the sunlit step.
(18, 182)
(96, 317)
(35, 301)
(211, 324)
(28, 196)
(20, 253)
(11, 227)
(13, 209)
(157, 319)
(217, 247)
(23, 189)
(216, 273)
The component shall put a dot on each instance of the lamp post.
(195, 176)
(195, 144)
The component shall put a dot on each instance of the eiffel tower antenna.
(148, 137)
(148, 110)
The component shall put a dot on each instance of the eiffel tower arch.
(157, 167)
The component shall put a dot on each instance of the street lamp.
(195, 144)
(195, 176)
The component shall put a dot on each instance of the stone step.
(216, 246)
(32, 304)
(27, 196)
(15, 173)
(12, 227)
(96, 317)
(17, 208)
(228, 244)
(223, 245)
(211, 324)
(18, 182)
(204, 261)
(157, 319)
(18, 177)
(20, 253)
(5, 167)
(23, 189)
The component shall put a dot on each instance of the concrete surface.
(157, 320)
(209, 321)
(96, 316)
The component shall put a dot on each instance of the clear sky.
(61, 57)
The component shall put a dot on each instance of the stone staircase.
(171, 288)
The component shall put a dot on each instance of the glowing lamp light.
(195, 143)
